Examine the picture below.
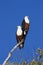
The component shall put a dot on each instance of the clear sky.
(12, 13)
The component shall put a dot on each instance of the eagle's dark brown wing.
(19, 39)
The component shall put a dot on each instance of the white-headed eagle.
(25, 25)
(19, 36)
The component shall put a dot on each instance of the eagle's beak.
(18, 26)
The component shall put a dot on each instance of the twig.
(10, 53)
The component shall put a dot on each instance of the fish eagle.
(25, 25)
(19, 36)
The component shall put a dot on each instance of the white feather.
(26, 19)
(19, 30)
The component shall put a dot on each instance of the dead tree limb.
(10, 53)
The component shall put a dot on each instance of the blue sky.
(12, 13)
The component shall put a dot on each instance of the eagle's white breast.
(19, 31)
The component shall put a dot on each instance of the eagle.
(19, 36)
(25, 26)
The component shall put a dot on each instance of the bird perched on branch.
(25, 25)
(19, 36)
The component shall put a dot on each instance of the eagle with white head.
(25, 25)
(19, 36)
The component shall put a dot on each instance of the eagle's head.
(19, 30)
(18, 27)
(26, 18)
